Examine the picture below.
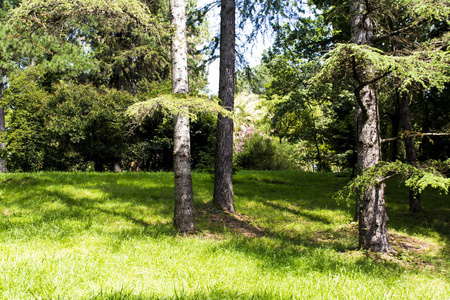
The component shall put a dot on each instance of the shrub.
(255, 150)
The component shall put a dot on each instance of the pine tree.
(223, 185)
(184, 218)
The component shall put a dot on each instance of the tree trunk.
(3, 168)
(410, 148)
(372, 218)
(373, 233)
(395, 120)
(184, 218)
(223, 185)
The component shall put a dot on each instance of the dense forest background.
(68, 79)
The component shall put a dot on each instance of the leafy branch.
(428, 174)
(173, 104)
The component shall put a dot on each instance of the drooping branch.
(414, 134)
(417, 178)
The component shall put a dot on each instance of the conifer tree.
(9, 51)
(223, 185)
(184, 218)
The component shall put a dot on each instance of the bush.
(257, 151)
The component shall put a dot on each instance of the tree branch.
(414, 134)
(375, 39)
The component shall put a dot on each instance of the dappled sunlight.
(96, 236)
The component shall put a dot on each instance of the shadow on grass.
(298, 212)
(121, 199)
(216, 294)
(434, 219)
(39, 203)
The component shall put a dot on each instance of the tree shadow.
(146, 207)
(433, 219)
(298, 212)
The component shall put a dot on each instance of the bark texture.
(223, 185)
(410, 148)
(3, 168)
(184, 217)
(373, 233)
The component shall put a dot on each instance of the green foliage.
(25, 139)
(252, 80)
(42, 12)
(427, 68)
(84, 128)
(320, 119)
(87, 121)
(415, 178)
(173, 104)
(203, 142)
(74, 126)
(11, 46)
(263, 153)
(122, 46)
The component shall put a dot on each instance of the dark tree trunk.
(184, 217)
(373, 233)
(223, 185)
(3, 168)
(395, 118)
(395, 121)
(410, 148)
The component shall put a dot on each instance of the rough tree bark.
(184, 218)
(410, 148)
(3, 168)
(373, 233)
(223, 185)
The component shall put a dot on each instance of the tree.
(184, 217)
(365, 67)
(410, 148)
(3, 168)
(223, 185)
(7, 44)
(372, 217)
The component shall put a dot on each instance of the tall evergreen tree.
(9, 50)
(223, 185)
(364, 64)
(372, 218)
(184, 218)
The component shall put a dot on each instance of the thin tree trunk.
(184, 217)
(373, 233)
(3, 168)
(424, 145)
(223, 185)
(410, 148)
(395, 120)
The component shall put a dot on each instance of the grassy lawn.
(109, 236)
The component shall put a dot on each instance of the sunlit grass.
(110, 236)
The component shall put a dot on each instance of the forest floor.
(110, 236)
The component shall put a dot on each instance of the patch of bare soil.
(408, 244)
(238, 223)
(408, 252)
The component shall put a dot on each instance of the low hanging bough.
(174, 104)
(427, 174)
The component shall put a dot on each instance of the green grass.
(110, 236)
